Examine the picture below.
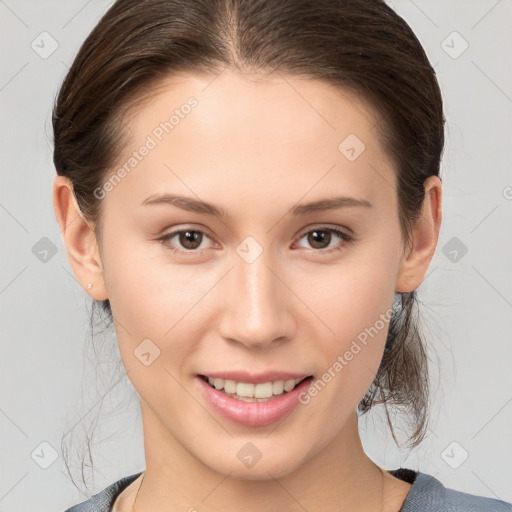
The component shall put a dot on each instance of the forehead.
(229, 98)
(253, 134)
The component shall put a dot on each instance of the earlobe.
(425, 233)
(79, 239)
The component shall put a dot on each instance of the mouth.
(253, 392)
(253, 400)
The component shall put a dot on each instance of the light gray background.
(467, 298)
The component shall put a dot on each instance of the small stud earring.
(89, 286)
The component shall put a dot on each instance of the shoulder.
(428, 494)
(103, 500)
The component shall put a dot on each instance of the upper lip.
(255, 378)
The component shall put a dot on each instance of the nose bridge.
(256, 312)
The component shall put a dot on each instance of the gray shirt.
(427, 494)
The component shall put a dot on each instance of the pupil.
(188, 239)
(316, 240)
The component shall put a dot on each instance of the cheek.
(349, 299)
(156, 324)
(144, 288)
(150, 299)
(348, 360)
(352, 355)
(354, 304)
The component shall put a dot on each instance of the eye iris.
(190, 237)
(318, 237)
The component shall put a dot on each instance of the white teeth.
(247, 391)
(230, 386)
(263, 390)
(289, 385)
(278, 387)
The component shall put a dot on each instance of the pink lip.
(253, 414)
(241, 376)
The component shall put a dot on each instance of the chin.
(261, 471)
(259, 459)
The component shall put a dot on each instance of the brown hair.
(359, 45)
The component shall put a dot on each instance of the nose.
(257, 309)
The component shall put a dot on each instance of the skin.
(255, 147)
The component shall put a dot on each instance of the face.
(258, 288)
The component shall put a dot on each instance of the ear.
(79, 239)
(418, 255)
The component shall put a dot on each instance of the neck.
(340, 478)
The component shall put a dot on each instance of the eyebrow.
(194, 205)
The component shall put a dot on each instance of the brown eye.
(184, 241)
(190, 239)
(320, 238)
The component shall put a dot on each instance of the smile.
(262, 402)
(250, 392)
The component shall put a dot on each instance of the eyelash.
(347, 239)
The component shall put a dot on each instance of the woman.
(252, 192)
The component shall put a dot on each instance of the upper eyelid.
(325, 227)
(300, 234)
(345, 237)
(305, 231)
(172, 233)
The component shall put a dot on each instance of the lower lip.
(254, 414)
